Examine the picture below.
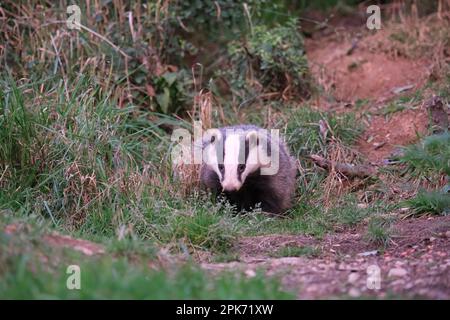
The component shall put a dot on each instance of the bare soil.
(349, 69)
(384, 135)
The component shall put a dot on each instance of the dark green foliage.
(216, 18)
(270, 59)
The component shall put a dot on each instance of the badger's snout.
(231, 186)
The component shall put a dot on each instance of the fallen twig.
(345, 168)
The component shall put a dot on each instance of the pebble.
(312, 288)
(368, 253)
(399, 263)
(397, 272)
(353, 277)
(250, 273)
(353, 292)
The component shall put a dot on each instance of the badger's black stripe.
(246, 152)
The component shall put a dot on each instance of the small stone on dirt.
(397, 272)
(399, 90)
(250, 273)
(378, 145)
(368, 253)
(353, 277)
(353, 292)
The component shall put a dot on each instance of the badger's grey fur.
(242, 183)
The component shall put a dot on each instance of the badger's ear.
(252, 138)
(212, 136)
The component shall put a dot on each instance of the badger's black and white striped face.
(233, 158)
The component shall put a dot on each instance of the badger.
(250, 167)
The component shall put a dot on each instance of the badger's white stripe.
(233, 145)
(252, 162)
(213, 152)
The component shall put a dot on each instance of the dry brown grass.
(336, 183)
(189, 173)
(34, 33)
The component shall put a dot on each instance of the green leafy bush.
(270, 59)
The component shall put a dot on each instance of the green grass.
(303, 130)
(95, 169)
(108, 279)
(430, 156)
(31, 269)
(428, 161)
(391, 109)
(348, 213)
(379, 231)
(301, 219)
(312, 219)
(432, 202)
(207, 228)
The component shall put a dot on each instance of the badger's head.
(234, 156)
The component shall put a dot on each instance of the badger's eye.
(221, 167)
(241, 168)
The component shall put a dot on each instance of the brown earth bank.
(349, 69)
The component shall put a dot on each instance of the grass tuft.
(431, 156)
(293, 251)
(432, 202)
(379, 231)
